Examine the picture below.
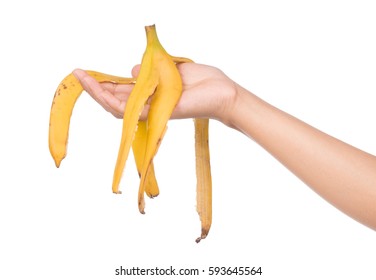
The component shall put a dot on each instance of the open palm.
(207, 92)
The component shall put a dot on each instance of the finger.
(136, 70)
(91, 86)
(83, 78)
(116, 106)
(118, 89)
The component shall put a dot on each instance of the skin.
(342, 174)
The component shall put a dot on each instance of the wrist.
(227, 103)
(245, 111)
(232, 107)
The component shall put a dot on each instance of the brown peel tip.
(203, 236)
(149, 27)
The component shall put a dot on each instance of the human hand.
(207, 93)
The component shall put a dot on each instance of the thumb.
(136, 70)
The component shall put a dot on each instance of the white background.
(316, 60)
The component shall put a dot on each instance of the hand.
(207, 93)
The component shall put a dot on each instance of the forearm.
(342, 174)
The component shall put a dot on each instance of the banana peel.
(159, 82)
(63, 103)
(66, 95)
(203, 174)
(138, 146)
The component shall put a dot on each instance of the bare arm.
(343, 175)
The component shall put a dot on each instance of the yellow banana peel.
(159, 82)
(138, 146)
(203, 174)
(63, 103)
